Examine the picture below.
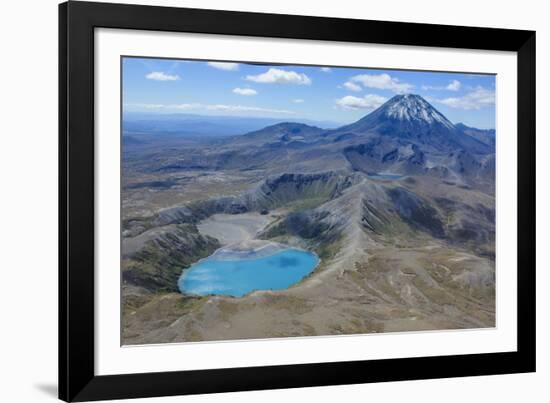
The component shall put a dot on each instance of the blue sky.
(288, 92)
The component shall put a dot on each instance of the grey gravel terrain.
(409, 251)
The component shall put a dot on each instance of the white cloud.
(453, 85)
(369, 101)
(145, 106)
(244, 91)
(241, 108)
(326, 69)
(298, 101)
(352, 86)
(279, 76)
(163, 106)
(160, 76)
(182, 106)
(209, 107)
(431, 88)
(382, 82)
(224, 66)
(478, 98)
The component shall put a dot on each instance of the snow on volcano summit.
(412, 107)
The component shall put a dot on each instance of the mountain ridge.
(405, 136)
(412, 118)
(408, 117)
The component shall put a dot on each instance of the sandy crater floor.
(234, 228)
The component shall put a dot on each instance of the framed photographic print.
(255, 201)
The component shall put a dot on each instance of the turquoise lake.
(237, 277)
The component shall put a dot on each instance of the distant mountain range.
(406, 136)
(412, 118)
(411, 109)
(180, 124)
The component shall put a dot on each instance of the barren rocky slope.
(414, 251)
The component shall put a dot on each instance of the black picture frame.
(77, 379)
